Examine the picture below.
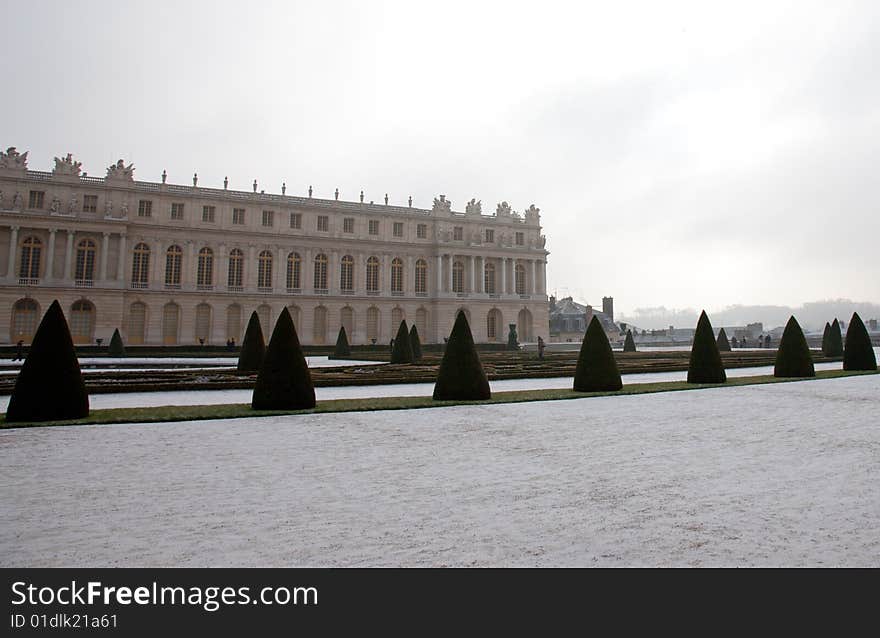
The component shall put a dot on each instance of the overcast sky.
(682, 154)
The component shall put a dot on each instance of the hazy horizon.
(682, 155)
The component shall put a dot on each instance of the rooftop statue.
(442, 205)
(474, 207)
(67, 166)
(120, 171)
(532, 212)
(503, 210)
(12, 159)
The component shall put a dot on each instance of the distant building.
(569, 320)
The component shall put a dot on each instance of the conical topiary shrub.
(284, 381)
(596, 368)
(835, 340)
(826, 335)
(461, 376)
(705, 365)
(402, 350)
(342, 348)
(859, 354)
(629, 344)
(50, 385)
(722, 341)
(793, 358)
(415, 343)
(116, 349)
(253, 349)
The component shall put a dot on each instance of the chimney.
(608, 307)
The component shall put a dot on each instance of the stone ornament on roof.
(442, 205)
(532, 212)
(119, 171)
(503, 210)
(12, 160)
(67, 166)
(474, 207)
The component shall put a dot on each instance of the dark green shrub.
(402, 350)
(342, 348)
(253, 348)
(722, 341)
(415, 343)
(793, 359)
(596, 368)
(50, 385)
(116, 348)
(835, 340)
(284, 381)
(705, 365)
(826, 336)
(859, 354)
(461, 376)
(629, 344)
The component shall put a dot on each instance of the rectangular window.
(145, 207)
(36, 199)
(457, 233)
(348, 225)
(208, 214)
(398, 229)
(295, 220)
(323, 223)
(422, 231)
(238, 216)
(490, 236)
(268, 218)
(374, 226)
(176, 211)
(520, 239)
(90, 204)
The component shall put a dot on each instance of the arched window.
(319, 328)
(264, 271)
(321, 272)
(140, 266)
(489, 278)
(25, 313)
(346, 318)
(396, 276)
(520, 279)
(203, 323)
(82, 321)
(396, 318)
(236, 267)
(421, 277)
(85, 262)
(457, 277)
(30, 258)
(264, 312)
(137, 323)
(170, 322)
(524, 325)
(493, 325)
(346, 275)
(372, 324)
(233, 322)
(173, 259)
(294, 271)
(422, 324)
(205, 274)
(373, 274)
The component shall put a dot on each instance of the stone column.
(120, 262)
(503, 262)
(221, 276)
(449, 274)
(50, 255)
(279, 275)
(157, 266)
(409, 277)
(439, 274)
(543, 277)
(533, 284)
(68, 256)
(13, 251)
(385, 277)
(188, 276)
(250, 270)
(105, 249)
(333, 270)
(471, 264)
(307, 274)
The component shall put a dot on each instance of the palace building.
(172, 264)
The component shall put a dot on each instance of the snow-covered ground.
(222, 397)
(227, 362)
(783, 474)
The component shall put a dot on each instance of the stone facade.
(172, 264)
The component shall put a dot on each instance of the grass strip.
(173, 413)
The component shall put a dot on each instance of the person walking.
(540, 348)
(19, 351)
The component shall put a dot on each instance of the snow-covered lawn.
(200, 362)
(785, 474)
